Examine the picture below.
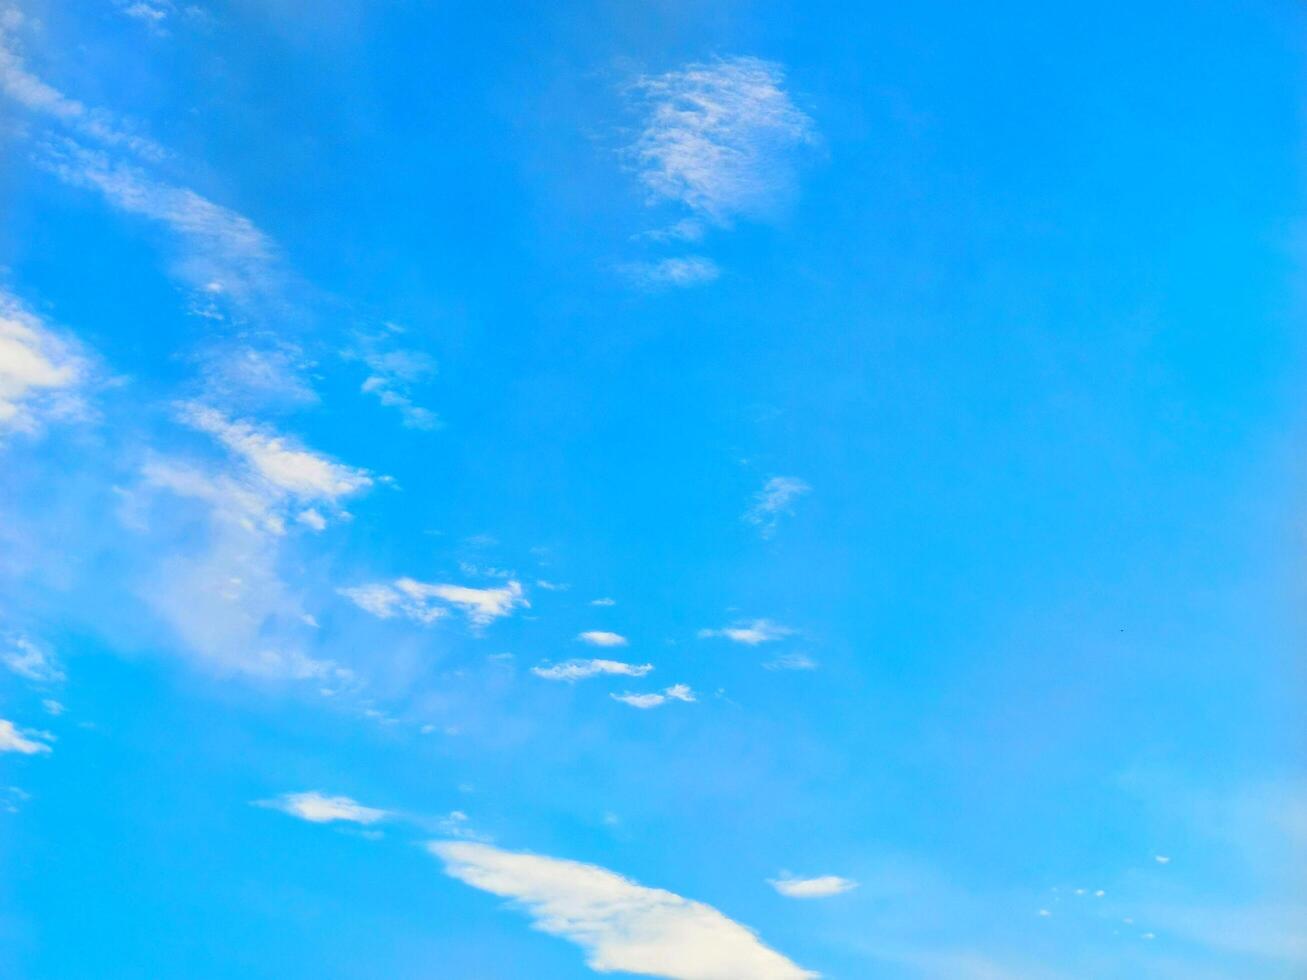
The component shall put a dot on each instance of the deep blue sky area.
(739, 491)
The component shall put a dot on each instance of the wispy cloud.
(602, 638)
(253, 373)
(222, 591)
(13, 739)
(823, 886)
(774, 500)
(393, 372)
(677, 692)
(791, 661)
(24, 658)
(223, 254)
(576, 670)
(318, 808)
(717, 137)
(605, 601)
(684, 270)
(750, 633)
(276, 460)
(621, 925)
(41, 373)
(425, 602)
(35, 95)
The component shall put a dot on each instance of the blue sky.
(684, 490)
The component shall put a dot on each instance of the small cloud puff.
(823, 886)
(317, 808)
(677, 692)
(575, 670)
(26, 659)
(14, 739)
(751, 633)
(773, 501)
(602, 638)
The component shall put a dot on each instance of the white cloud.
(791, 661)
(605, 601)
(223, 595)
(223, 253)
(621, 925)
(457, 824)
(677, 692)
(40, 372)
(642, 701)
(418, 600)
(717, 137)
(33, 94)
(774, 500)
(26, 659)
(751, 634)
(575, 670)
(823, 886)
(392, 375)
(23, 742)
(602, 638)
(317, 808)
(251, 375)
(53, 707)
(687, 270)
(283, 465)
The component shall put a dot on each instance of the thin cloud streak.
(576, 670)
(316, 807)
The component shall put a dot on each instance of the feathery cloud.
(35, 95)
(686, 270)
(621, 925)
(576, 670)
(774, 500)
(283, 466)
(392, 374)
(418, 600)
(751, 634)
(26, 659)
(717, 137)
(222, 254)
(791, 661)
(224, 596)
(602, 638)
(317, 808)
(40, 372)
(823, 886)
(13, 739)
